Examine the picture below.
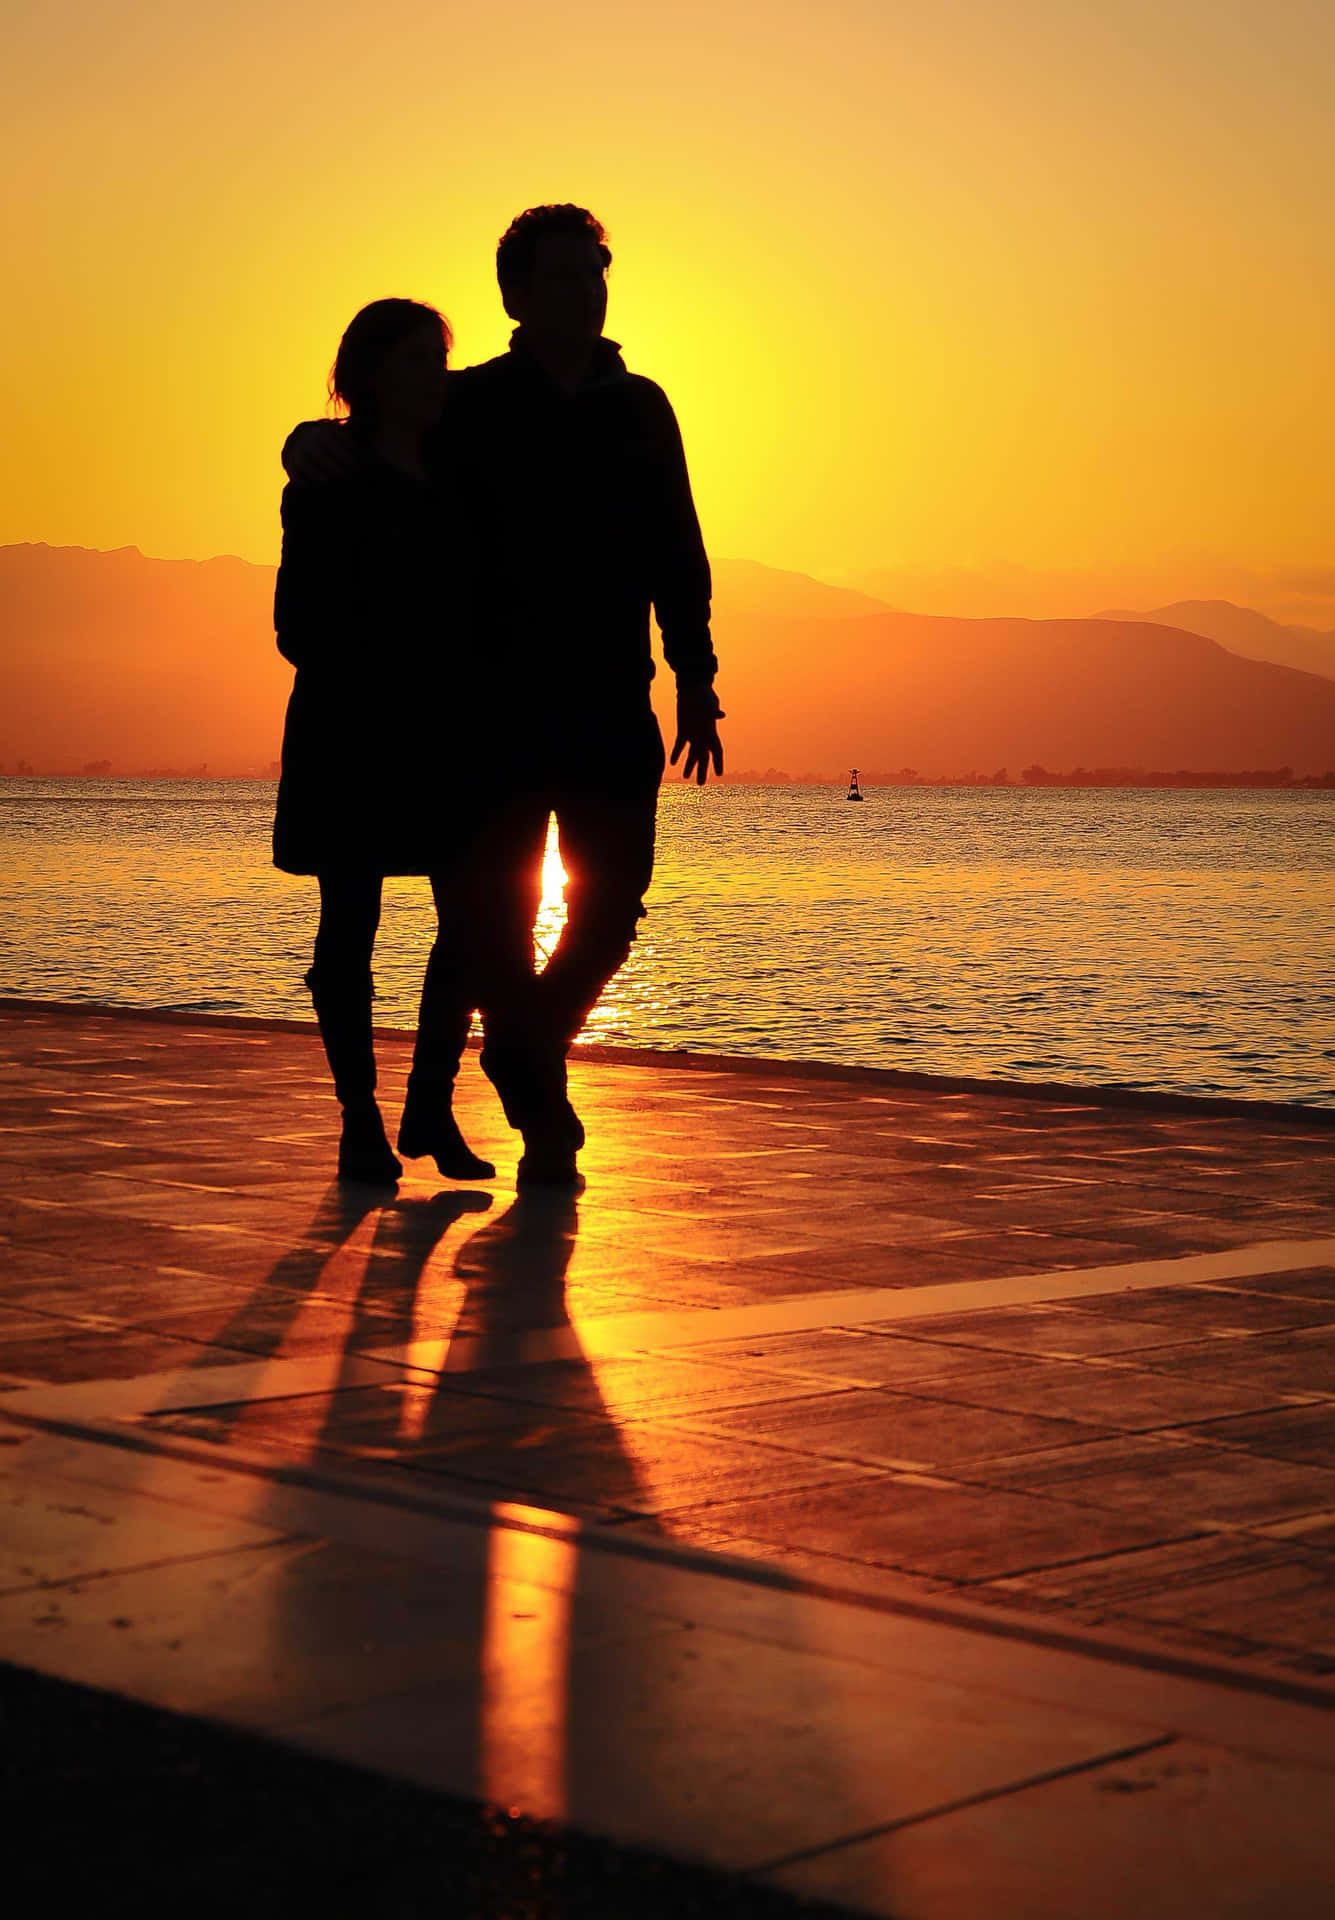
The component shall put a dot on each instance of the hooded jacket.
(577, 513)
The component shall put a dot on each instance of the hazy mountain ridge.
(1245, 631)
(156, 663)
(148, 663)
(946, 696)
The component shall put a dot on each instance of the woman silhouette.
(365, 788)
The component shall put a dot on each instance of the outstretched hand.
(319, 451)
(698, 715)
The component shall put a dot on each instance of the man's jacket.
(573, 517)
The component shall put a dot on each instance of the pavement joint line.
(1006, 1791)
(612, 1335)
(59, 1583)
(588, 1531)
(811, 1312)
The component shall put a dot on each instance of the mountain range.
(155, 664)
(1243, 630)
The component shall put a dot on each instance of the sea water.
(1158, 938)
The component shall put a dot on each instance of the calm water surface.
(1163, 939)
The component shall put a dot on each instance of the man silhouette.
(571, 501)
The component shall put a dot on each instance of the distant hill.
(1243, 630)
(148, 663)
(171, 663)
(940, 695)
(744, 587)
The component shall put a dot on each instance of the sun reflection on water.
(1177, 939)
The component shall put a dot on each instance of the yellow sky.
(931, 284)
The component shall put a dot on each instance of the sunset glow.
(930, 286)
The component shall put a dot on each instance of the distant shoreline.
(1280, 779)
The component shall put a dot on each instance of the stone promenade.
(916, 1497)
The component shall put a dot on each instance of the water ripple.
(1162, 939)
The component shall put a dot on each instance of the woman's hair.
(371, 334)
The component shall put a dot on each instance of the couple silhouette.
(469, 563)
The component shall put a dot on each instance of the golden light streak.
(525, 1669)
(552, 910)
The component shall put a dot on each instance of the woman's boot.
(429, 1129)
(343, 1009)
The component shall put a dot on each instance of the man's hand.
(698, 715)
(319, 451)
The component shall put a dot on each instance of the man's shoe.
(363, 1150)
(437, 1136)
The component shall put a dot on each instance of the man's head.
(552, 265)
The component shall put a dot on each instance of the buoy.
(854, 790)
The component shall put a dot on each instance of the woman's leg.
(341, 989)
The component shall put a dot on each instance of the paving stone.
(1188, 1483)
(1293, 1433)
(389, 1418)
(1054, 1331)
(896, 1429)
(639, 1468)
(636, 1386)
(1155, 1574)
(1229, 1593)
(1189, 1830)
(188, 1253)
(877, 1266)
(1108, 1394)
(54, 1529)
(866, 1357)
(1290, 1602)
(962, 1533)
(1191, 1312)
(722, 1748)
(93, 1353)
(1306, 1283)
(1301, 1362)
(339, 1628)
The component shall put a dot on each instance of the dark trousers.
(605, 806)
(342, 989)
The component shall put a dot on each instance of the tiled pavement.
(1029, 1372)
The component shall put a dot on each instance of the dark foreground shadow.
(173, 1811)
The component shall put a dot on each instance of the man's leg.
(428, 1125)
(498, 901)
(607, 849)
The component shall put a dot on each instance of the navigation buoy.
(854, 790)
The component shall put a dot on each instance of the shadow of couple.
(493, 1416)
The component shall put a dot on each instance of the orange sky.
(933, 285)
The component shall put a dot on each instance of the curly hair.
(518, 245)
(370, 335)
